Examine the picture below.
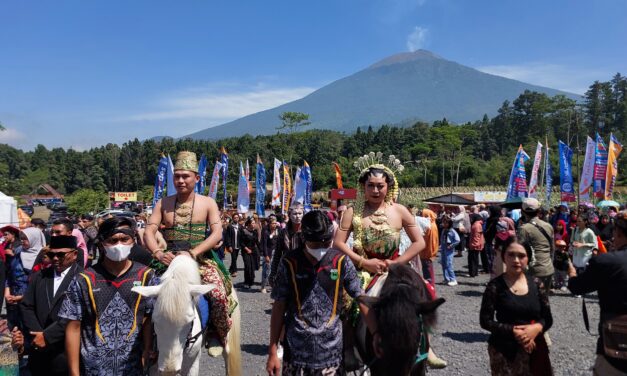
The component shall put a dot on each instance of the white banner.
(587, 174)
(215, 180)
(276, 184)
(243, 193)
(488, 196)
(533, 182)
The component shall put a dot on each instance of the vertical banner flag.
(171, 188)
(202, 173)
(614, 151)
(276, 184)
(600, 167)
(299, 187)
(287, 188)
(260, 191)
(549, 177)
(566, 174)
(307, 178)
(587, 174)
(215, 180)
(248, 176)
(338, 175)
(243, 194)
(224, 160)
(533, 182)
(518, 178)
(162, 172)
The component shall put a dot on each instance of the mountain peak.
(404, 57)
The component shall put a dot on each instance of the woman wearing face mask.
(102, 309)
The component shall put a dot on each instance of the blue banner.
(162, 172)
(567, 188)
(224, 159)
(305, 175)
(202, 173)
(171, 188)
(549, 178)
(517, 186)
(600, 168)
(260, 189)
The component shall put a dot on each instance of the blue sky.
(83, 73)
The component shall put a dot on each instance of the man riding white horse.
(185, 218)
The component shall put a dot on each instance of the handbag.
(615, 337)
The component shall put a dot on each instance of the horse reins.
(191, 339)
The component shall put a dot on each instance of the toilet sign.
(125, 196)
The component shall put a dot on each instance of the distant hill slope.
(406, 86)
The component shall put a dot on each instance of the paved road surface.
(459, 338)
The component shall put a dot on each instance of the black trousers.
(249, 267)
(484, 261)
(233, 267)
(473, 262)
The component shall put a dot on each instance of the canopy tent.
(450, 199)
(8, 210)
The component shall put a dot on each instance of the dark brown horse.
(402, 314)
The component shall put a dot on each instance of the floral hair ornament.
(364, 164)
(374, 160)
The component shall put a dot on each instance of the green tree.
(292, 120)
(87, 201)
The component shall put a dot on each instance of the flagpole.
(542, 176)
(578, 170)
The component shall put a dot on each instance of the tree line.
(437, 154)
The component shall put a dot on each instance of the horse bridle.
(423, 348)
(191, 339)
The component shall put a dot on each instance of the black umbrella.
(513, 203)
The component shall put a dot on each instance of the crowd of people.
(71, 309)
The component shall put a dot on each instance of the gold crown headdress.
(372, 159)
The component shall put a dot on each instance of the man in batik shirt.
(108, 325)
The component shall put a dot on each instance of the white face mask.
(317, 253)
(118, 252)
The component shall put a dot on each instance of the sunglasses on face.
(59, 255)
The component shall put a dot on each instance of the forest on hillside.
(437, 154)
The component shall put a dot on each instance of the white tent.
(8, 210)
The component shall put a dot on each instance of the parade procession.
(306, 189)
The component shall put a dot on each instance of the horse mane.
(397, 311)
(175, 290)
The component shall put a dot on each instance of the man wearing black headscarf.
(41, 304)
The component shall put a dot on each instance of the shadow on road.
(255, 349)
(470, 293)
(468, 337)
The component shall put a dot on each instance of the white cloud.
(11, 136)
(219, 102)
(556, 76)
(417, 38)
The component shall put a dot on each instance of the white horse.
(177, 322)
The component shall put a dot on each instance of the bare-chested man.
(185, 218)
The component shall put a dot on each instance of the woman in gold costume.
(375, 221)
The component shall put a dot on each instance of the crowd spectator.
(606, 274)
(515, 310)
